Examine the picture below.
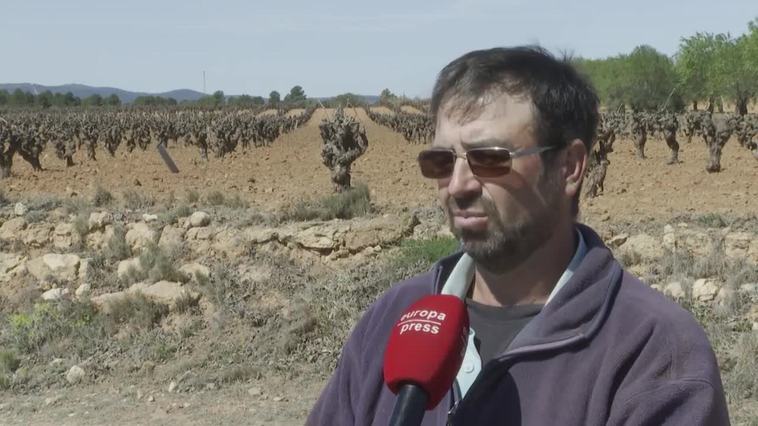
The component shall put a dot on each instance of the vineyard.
(244, 304)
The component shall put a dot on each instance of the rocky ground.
(188, 312)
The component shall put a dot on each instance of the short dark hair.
(565, 102)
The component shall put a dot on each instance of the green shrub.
(134, 200)
(215, 198)
(193, 196)
(135, 309)
(158, 265)
(101, 197)
(117, 248)
(9, 362)
(352, 203)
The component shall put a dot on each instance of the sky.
(327, 47)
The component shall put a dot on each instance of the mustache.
(476, 204)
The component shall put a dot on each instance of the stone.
(125, 267)
(737, 244)
(99, 220)
(725, 298)
(674, 290)
(254, 273)
(75, 375)
(37, 235)
(98, 240)
(148, 218)
(167, 293)
(139, 236)
(255, 391)
(103, 302)
(201, 233)
(85, 270)
(320, 238)
(20, 209)
(11, 265)
(172, 387)
(65, 236)
(61, 267)
(617, 241)
(704, 290)
(198, 219)
(381, 231)
(54, 294)
(172, 238)
(747, 289)
(260, 235)
(150, 398)
(648, 247)
(83, 291)
(12, 228)
(230, 242)
(192, 269)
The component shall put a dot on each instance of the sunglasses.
(484, 162)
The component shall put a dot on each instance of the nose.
(463, 183)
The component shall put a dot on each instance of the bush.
(352, 203)
(101, 197)
(117, 248)
(158, 265)
(3, 199)
(135, 310)
(215, 198)
(133, 200)
(192, 196)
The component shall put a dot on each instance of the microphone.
(424, 353)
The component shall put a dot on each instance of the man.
(560, 334)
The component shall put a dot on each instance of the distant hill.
(82, 91)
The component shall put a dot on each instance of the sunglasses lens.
(489, 162)
(436, 164)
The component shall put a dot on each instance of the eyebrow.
(504, 143)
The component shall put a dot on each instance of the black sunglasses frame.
(478, 168)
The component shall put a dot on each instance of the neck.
(531, 281)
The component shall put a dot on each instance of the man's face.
(499, 220)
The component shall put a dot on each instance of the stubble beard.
(503, 246)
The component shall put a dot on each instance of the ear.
(574, 166)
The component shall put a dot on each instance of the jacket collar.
(575, 312)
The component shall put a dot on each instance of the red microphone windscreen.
(427, 345)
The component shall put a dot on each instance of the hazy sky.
(328, 47)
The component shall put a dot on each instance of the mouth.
(470, 221)
(467, 214)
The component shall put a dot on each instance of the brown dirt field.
(382, 110)
(291, 170)
(410, 109)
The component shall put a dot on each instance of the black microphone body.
(409, 406)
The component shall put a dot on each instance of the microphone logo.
(421, 321)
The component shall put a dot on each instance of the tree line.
(707, 68)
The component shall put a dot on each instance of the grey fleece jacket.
(607, 349)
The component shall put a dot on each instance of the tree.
(113, 100)
(348, 99)
(45, 99)
(93, 100)
(387, 98)
(4, 97)
(696, 66)
(650, 81)
(274, 98)
(246, 101)
(296, 95)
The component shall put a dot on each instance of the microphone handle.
(409, 406)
